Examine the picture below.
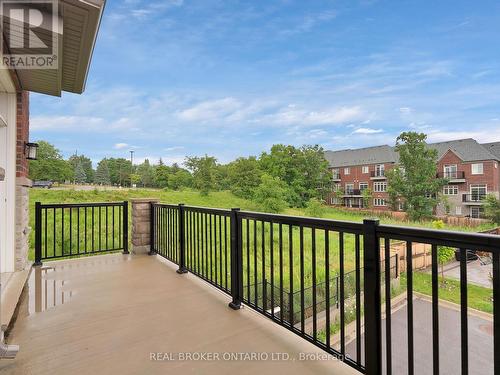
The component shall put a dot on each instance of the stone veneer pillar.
(22, 223)
(141, 226)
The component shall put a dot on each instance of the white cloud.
(367, 131)
(405, 110)
(210, 110)
(292, 116)
(174, 148)
(62, 123)
(120, 146)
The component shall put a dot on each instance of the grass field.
(253, 254)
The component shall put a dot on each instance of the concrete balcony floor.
(107, 314)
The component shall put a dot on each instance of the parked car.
(42, 184)
(471, 255)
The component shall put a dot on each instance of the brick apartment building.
(470, 167)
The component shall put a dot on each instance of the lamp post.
(131, 166)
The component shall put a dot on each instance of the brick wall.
(489, 177)
(356, 176)
(22, 124)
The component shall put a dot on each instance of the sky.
(230, 78)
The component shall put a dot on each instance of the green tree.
(135, 179)
(102, 173)
(414, 179)
(146, 173)
(444, 253)
(120, 170)
(244, 176)
(86, 163)
(315, 208)
(204, 171)
(492, 208)
(161, 175)
(304, 170)
(367, 197)
(180, 179)
(80, 175)
(50, 164)
(270, 194)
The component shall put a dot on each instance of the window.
(401, 206)
(363, 186)
(478, 192)
(349, 188)
(450, 190)
(378, 202)
(450, 171)
(380, 187)
(335, 173)
(335, 187)
(476, 212)
(477, 168)
(365, 169)
(347, 170)
(379, 170)
(458, 210)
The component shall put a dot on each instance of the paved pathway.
(480, 341)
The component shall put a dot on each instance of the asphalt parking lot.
(480, 341)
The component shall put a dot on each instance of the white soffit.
(79, 22)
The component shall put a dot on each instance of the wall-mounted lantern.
(30, 150)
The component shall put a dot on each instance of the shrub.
(315, 208)
(270, 194)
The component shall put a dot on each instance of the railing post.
(125, 227)
(236, 261)
(372, 298)
(152, 229)
(38, 234)
(182, 243)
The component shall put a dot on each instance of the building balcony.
(123, 313)
(456, 177)
(120, 314)
(473, 199)
(353, 193)
(377, 175)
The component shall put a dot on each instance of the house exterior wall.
(453, 205)
(356, 177)
(8, 186)
(22, 182)
(489, 177)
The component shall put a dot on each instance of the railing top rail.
(75, 205)
(468, 240)
(209, 210)
(346, 226)
(168, 205)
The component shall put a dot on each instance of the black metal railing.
(327, 280)
(353, 192)
(379, 173)
(453, 175)
(72, 230)
(473, 198)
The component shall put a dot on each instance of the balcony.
(353, 193)
(299, 285)
(473, 199)
(377, 175)
(111, 313)
(455, 177)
